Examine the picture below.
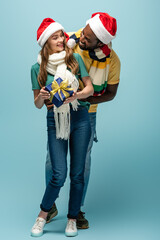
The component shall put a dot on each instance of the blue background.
(123, 196)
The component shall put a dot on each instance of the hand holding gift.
(59, 91)
(71, 99)
(44, 95)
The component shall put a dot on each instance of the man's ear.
(100, 44)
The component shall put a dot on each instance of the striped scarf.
(100, 65)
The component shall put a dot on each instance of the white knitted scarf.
(56, 66)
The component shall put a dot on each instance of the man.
(93, 43)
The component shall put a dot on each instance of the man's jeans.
(93, 137)
(58, 148)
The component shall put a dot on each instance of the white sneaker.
(37, 229)
(71, 228)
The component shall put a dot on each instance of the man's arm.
(108, 95)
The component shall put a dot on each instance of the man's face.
(88, 40)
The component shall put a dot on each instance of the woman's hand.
(40, 96)
(71, 99)
(43, 94)
(83, 94)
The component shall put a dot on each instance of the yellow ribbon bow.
(58, 88)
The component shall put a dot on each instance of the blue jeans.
(58, 148)
(48, 169)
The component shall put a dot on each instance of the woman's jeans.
(58, 148)
(93, 137)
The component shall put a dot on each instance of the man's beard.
(83, 47)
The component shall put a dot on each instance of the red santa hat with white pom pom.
(46, 29)
(104, 27)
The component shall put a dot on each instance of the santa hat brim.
(52, 28)
(99, 30)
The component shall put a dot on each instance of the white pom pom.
(71, 43)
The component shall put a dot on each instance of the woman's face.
(56, 42)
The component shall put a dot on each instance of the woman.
(69, 121)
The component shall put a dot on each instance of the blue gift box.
(55, 98)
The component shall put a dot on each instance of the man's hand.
(108, 95)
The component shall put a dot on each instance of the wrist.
(78, 95)
(39, 97)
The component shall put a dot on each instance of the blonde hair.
(70, 61)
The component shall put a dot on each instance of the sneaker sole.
(71, 234)
(36, 234)
(52, 216)
(83, 227)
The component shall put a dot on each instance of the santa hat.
(46, 29)
(104, 26)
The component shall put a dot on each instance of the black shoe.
(82, 222)
(52, 213)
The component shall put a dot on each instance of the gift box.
(59, 91)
